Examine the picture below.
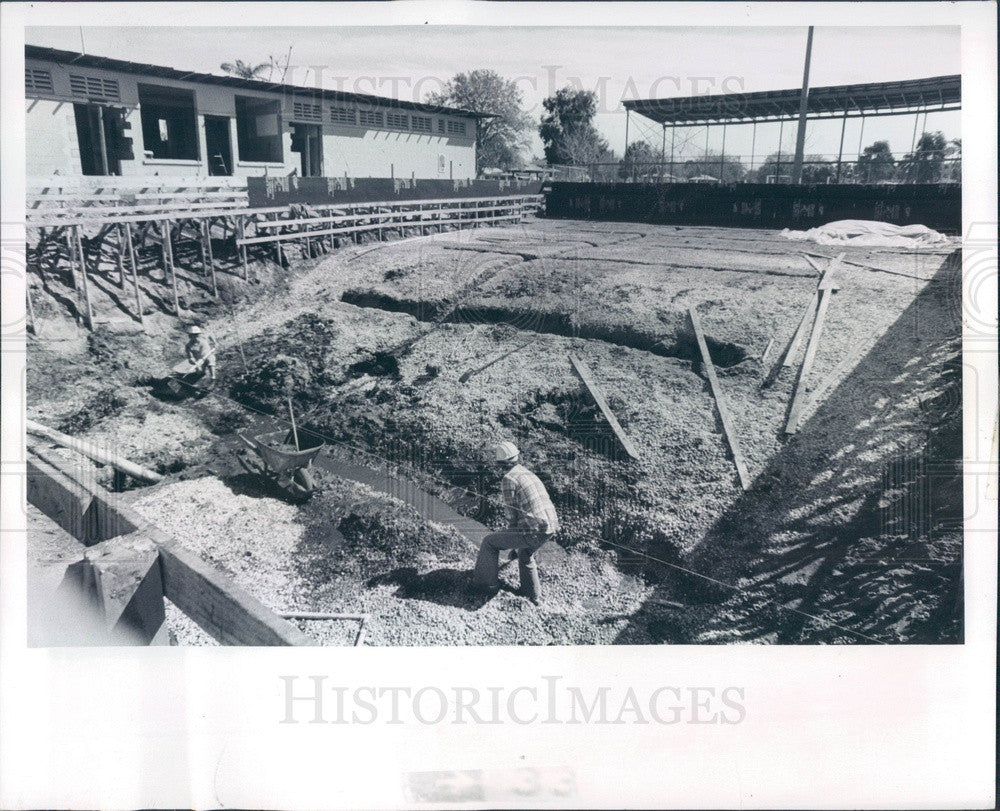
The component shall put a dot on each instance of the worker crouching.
(531, 520)
(200, 351)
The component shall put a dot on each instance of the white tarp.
(869, 233)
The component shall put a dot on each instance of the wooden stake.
(595, 392)
(31, 306)
(168, 263)
(135, 273)
(243, 248)
(295, 431)
(83, 275)
(826, 288)
(207, 236)
(720, 402)
(119, 258)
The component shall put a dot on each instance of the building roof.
(161, 72)
(876, 98)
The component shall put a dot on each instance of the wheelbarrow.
(281, 463)
(185, 380)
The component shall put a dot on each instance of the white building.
(93, 115)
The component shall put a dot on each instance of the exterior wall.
(51, 142)
(358, 151)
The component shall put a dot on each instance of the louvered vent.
(94, 88)
(40, 81)
(307, 112)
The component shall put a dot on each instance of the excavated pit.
(681, 344)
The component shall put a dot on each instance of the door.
(219, 145)
(100, 134)
(307, 140)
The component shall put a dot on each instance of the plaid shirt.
(528, 505)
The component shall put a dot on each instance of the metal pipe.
(777, 168)
(840, 153)
(800, 138)
(92, 451)
(722, 159)
(627, 111)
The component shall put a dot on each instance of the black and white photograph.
(319, 366)
(567, 336)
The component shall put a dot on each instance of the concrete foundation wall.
(355, 150)
(210, 598)
(754, 205)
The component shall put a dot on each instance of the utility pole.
(800, 140)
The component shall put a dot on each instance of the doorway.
(219, 145)
(100, 136)
(307, 140)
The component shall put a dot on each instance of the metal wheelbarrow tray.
(279, 459)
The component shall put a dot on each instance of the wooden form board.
(720, 402)
(602, 403)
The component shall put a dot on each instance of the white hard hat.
(194, 329)
(505, 451)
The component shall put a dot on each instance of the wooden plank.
(800, 330)
(598, 395)
(83, 275)
(135, 273)
(826, 288)
(767, 351)
(353, 230)
(720, 402)
(815, 265)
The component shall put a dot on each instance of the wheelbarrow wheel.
(303, 484)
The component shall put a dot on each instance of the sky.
(651, 62)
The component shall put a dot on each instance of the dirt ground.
(427, 352)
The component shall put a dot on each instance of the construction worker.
(531, 522)
(200, 351)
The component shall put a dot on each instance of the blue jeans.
(487, 572)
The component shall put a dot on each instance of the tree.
(567, 130)
(923, 165)
(815, 169)
(726, 169)
(501, 139)
(876, 163)
(952, 172)
(636, 161)
(247, 70)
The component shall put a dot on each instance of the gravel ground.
(355, 551)
(387, 377)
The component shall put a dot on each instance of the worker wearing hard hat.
(200, 351)
(531, 522)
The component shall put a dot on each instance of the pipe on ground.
(93, 451)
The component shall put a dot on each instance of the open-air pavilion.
(916, 97)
